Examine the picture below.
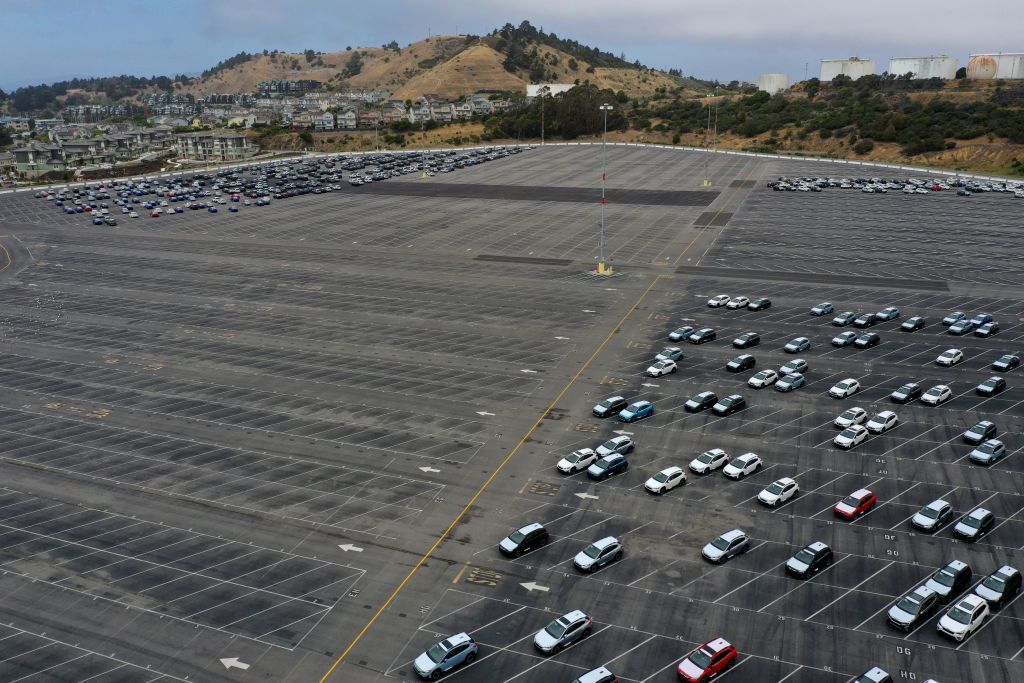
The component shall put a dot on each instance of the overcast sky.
(49, 40)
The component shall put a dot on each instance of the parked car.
(851, 416)
(746, 340)
(933, 516)
(974, 524)
(983, 431)
(844, 339)
(906, 393)
(608, 466)
(810, 560)
(666, 480)
(964, 618)
(701, 401)
(618, 444)
(680, 333)
(729, 405)
(661, 367)
(636, 411)
(709, 461)
(610, 406)
(999, 587)
(446, 655)
(718, 301)
(822, 309)
(856, 504)
(797, 345)
(759, 304)
(913, 324)
(890, 313)
(524, 539)
(991, 387)
(845, 318)
(762, 379)
(741, 363)
(562, 632)
(577, 461)
(779, 491)
(725, 547)
(950, 357)
(844, 388)
(950, 580)
(914, 608)
(598, 554)
(1006, 363)
(707, 661)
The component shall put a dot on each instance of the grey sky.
(727, 39)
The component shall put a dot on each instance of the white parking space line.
(635, 647)
(790, 674)
(800, 584)
(847, 592)
(545, 660)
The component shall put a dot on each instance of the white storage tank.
(773, 83)
(996, 65)
(940, 66)
(854, 67)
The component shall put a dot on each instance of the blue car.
(446, 655)
(233, 209)
(212, 209)
(608, 466)
(636, 411)
(981, 319)
(97, 221)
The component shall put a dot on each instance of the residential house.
(370, 119)
(323, 121)
(16, 124)
(347, 120)
(441, 112)
(214, 146)
(480, 104)
(462, 110)
(35, 159)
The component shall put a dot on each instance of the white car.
(844, 388)
(937, 395)
(133, 214)
(577, 461)
(763, 379)
(851, 436)
(742, 465)
(709, 461)
(851, 416)
(718, 301)
(882, 422)
(779, 492)
(950, 357)
(737, 302)
(666, 480)
(965, 617)
(662, 367)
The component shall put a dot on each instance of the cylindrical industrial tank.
(773, 83)
(854, 67)
(1006, 65)
(939, 66)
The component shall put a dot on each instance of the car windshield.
(707, 457)
(592, 550)
(437, 652)
(944, 578)
(971, 521)
(608, 404)
(987, 448)
(805, 556)
(738, 463)
(516, 536)
(909, 605)
(990, 383)
(611, 444)
(603, 463)
(906, 389)
(556, 629)
(843, 385)
(776, 488)
(930, 512)
(852, 501)
(721, 543)
(661, 477)
(700, 658)
(994, 583)
(959, 615)
(850, 414)
(850, 432)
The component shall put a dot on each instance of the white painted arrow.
(529, 372)
(648, 384)
(533, 586)
(586, 496)
(484, 413)
(567, 338)
(428, 469)
(623, 432)
(234, 663)
(348, 546)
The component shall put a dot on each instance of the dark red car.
(707, 661)
(856, 504)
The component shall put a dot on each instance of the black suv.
(741, 363)
(810, 560)
(702, 336)
(729, 405)
(866, 320)
(523, 540)
(913, 608)
(746, 340)
(907, 393)
(610, 406)
(951, 580)
(759, 304)
(866, 341)
(981, 432)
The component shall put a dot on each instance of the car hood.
(712, 552)
(594, 470)
(732, 469)
(899, 616)
(767, 497)
(600, 409)
(987, 593)
(698, 466)
(424, 664)
(844, 438)
(797, 566)
(952, 626)
(843, 507)
(999, 364)
(652, 483)
(564, 464)
(871, 424)
(689, 669)
(923, 522)
(693, 404)
(627, 414)
(507, 545)
(583, 560)
(964, 530)
(980, 455)
(544, 641)
(900, 394)
(602, 451)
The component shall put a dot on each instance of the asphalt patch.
(542, 193)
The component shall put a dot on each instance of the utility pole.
(601, 268)
(707, 144)
(543, 95)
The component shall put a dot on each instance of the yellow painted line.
(491, 478)
(462, 571)
(732, 196)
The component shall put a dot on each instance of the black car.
(912, 324)
(999, 587)
(1006, 363)
(981, 432)
(974, 525)
(991, 386)
(610, 406)
(702, 336)
(523, 540)
(759, 304)
(741, 363)
(810, 560)
(914, 608)
(906, 393)
(866, 320)
(701, 401)
(729, 405)
(951, 580)
(746, 340)
(866, 341)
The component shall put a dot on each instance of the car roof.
(956, 565)
(733, 397)
(747, 456)
(1006, 570)
(978, 513)
(531, 527)
(876, 674)
(574, 615)
(921, 592)
(717, 645)
(672, 470)
(620, 438)
(936, 504)
(615, 398)
(972, 599)
(594, 675)
(885, 414)
(939, 386)
(817, 546)
(785, 480)
(860, 493)
(605, 542)
(640, 404)
(458, 639)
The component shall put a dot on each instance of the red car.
(856, 504)
(707, 661)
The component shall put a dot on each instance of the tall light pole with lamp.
(602, 269)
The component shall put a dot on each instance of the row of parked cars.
(877, 185)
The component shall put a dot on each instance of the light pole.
(605, 108)
(707, 143)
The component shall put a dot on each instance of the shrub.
(864, 145)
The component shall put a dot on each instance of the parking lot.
(232, 441)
